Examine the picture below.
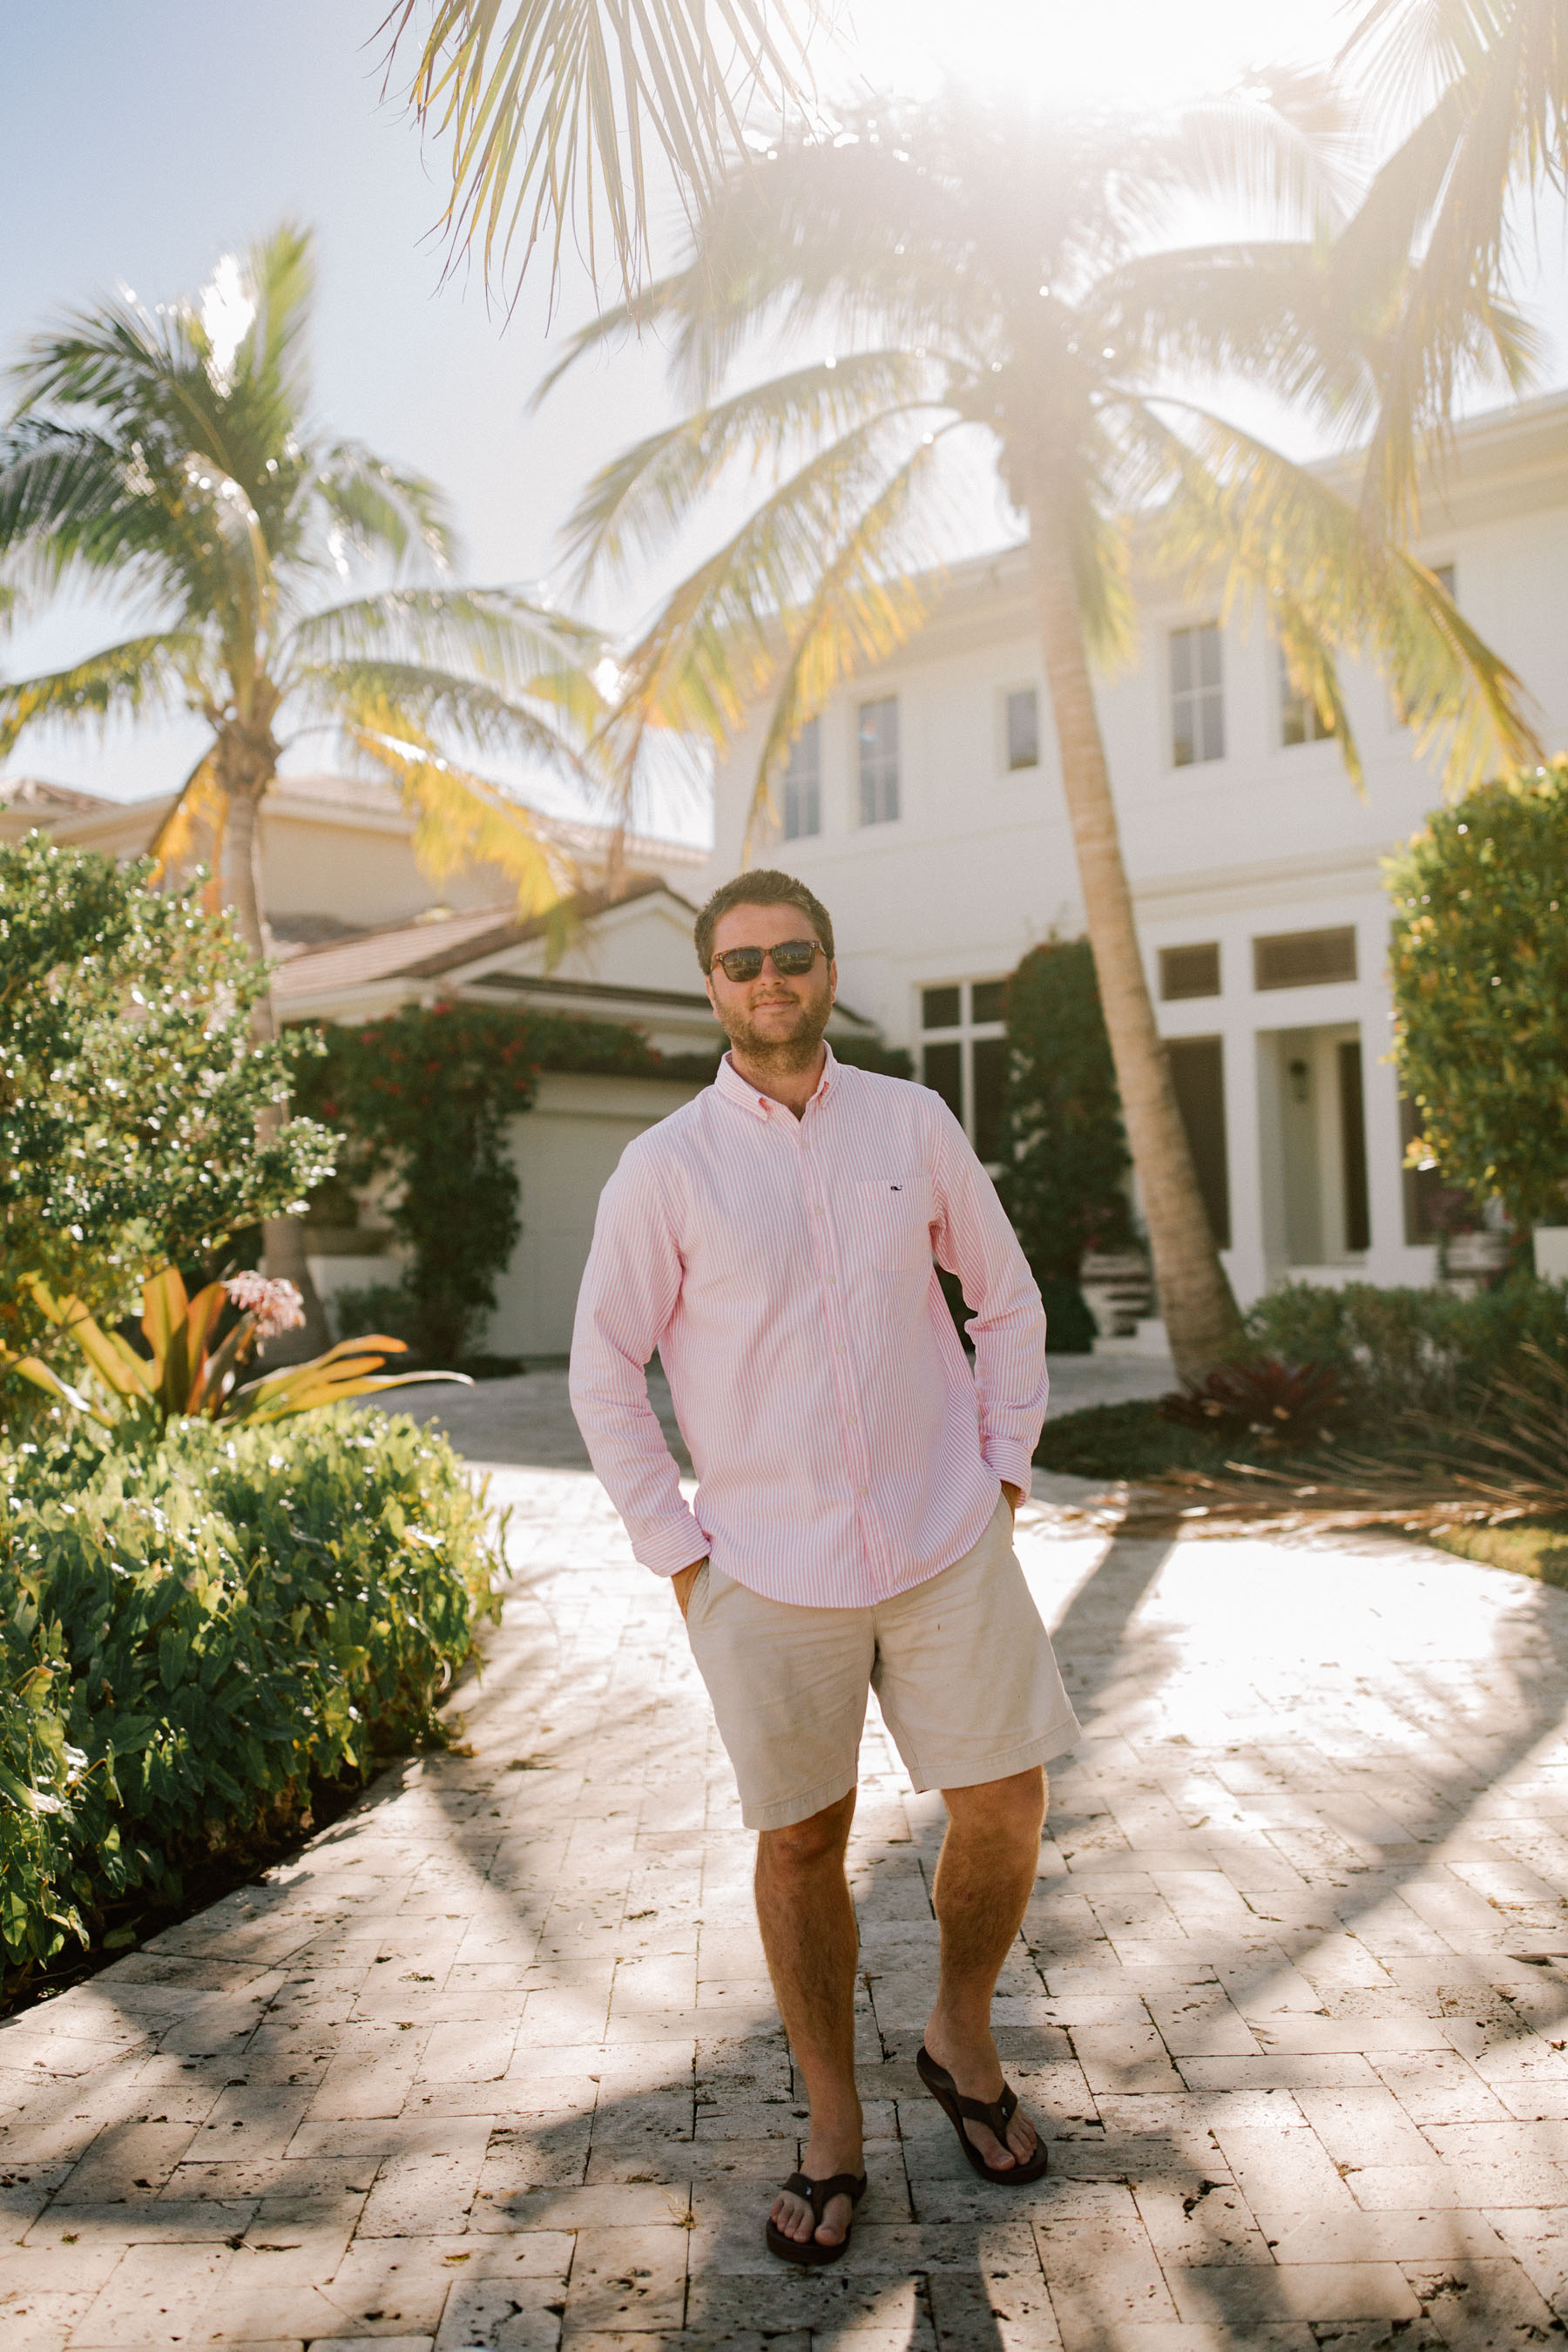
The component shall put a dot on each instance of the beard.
(782, 1050)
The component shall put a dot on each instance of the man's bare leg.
(986, 1876)
(809, 1935)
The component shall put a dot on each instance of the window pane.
(878, 747)
(1300, 720)
(987, 999)
(1189, 972)
(1303, 959)
(940, 1008)
(1023, 729)
(990, 1096)
(1197, 1073)
(1197, 696)
(942, 1068)
(802, 794)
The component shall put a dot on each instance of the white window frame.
(966, 1033)
(878, 780)
(801, 776)
(1203, 700)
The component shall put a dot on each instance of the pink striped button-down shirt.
(783, 1268)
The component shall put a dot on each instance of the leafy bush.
(130, 1083)
(1410, 1351)
(1479, 968)
(194, 1631)
(426, 1094)
(1065, 1156)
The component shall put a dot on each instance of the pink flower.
(277, 1305)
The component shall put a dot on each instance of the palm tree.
(1492, 78)
(547, 108)
(170, 453)
(991, 275)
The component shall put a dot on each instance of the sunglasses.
(792, 961)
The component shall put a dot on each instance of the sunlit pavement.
(494, 2059)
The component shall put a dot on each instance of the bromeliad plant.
(186, 1377)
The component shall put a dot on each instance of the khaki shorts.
(961, 1665)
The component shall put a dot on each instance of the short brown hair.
(765, 887)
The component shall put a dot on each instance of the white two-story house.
(924, 805)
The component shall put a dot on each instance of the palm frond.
(545, 105)
(383, 511)
(640, 500)
(141, 676)
(461, 818)
(430, 703)
(721, 635)
(869, 599)
(490, 634)
(201, 804)
(1286, 149)
(1274, 531)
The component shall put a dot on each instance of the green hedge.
(1410, 1351)
(194, 1632)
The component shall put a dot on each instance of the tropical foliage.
(171, 454)
(976, 273)
(425, 1095)
(188, 1374)
(1064, 1179)
(1479, 971)
(1397, 1351)
(200, 1630)
(131, 1086)
(549, 107)
(1264, 1403)
(1474, 94)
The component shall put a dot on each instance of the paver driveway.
(494, 2059)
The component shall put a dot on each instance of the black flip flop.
(818, 2195)
(995, 2113)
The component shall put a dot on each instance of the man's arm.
(630, 1287)
(1008, 1325)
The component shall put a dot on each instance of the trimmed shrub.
(1410, 1351)
(195, 1631)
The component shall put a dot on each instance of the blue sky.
(143, 138)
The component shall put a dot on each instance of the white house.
(924, 806)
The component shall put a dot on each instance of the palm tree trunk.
(1195, 1299)
(245, 781)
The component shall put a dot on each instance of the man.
(852, 1528)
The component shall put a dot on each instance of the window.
(1303, 959)
(1197, 1073)
(1353, 1146)
(1197, 696)
(803, 785)
(1024, 728)
(963, 1058)
(878, 747)
(1189, 972)
(1300, 721)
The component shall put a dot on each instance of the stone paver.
(493, 2063)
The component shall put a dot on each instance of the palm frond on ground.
(550, 108)
(981, 274)
(1507, 1462)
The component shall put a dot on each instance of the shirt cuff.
(672, 1544)
(1010, 1462)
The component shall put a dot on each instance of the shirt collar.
(733, 1086)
